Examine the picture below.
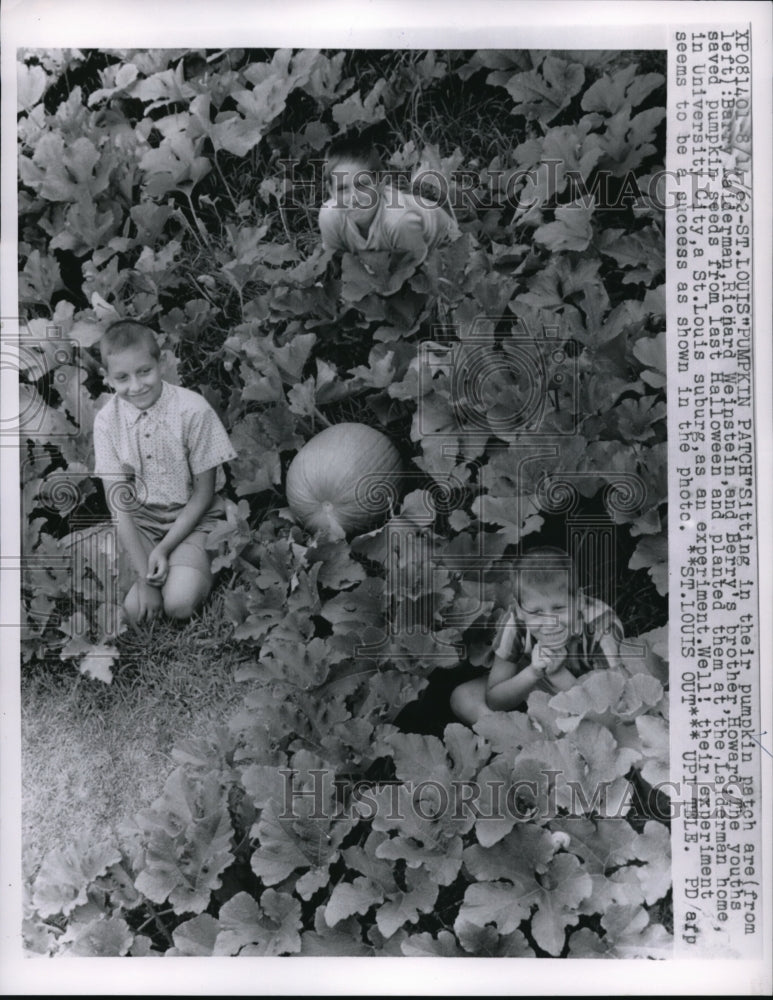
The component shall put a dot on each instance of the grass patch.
(94, 754)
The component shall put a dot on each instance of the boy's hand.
(150, 603)
(547, 659)
(158, 568)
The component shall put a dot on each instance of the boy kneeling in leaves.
(364, 212)
(159, 448)
(550, 636)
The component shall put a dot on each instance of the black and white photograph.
(387, 573)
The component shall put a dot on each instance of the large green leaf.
(611, 93)
(553, 883)
(65, 877)
(268, 926)
(628, 934)
(188, 845)
(572, 229)
(303, 829)
(543, 94)
(405, 905)
(607, 849)
(195, 937)
(101, 938)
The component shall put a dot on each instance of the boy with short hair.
(167, 445)
(365, 212)
(550, 636)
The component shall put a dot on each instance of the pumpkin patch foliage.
(515, 382)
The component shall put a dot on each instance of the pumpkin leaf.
(572, 229)
(496, 903)
(651, 553)
(268, 926)
(628, 934)
(405, 906)
(195, 937)
(625, 87)
(100, 938)
(31, 84)
(424, 945)
(348, 898)
(64, 877)
(542, 94)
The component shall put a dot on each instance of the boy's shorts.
(153, 522)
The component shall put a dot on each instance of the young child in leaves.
(162, 447)
(549, 637)
(366, 213)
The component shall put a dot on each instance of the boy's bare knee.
(182, 606)
(185, 593)
(131, 614)
(462, 705)
(468, 701)
(180, 610)
(457, 702)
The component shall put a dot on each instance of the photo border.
(176, 23)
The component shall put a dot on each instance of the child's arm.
(610, 640)
(129, 538)
(108, 465)
(149, 601)
(558, 677)
(508, 685)
(182, 526)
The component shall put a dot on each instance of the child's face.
(135, 375)
(548, 611)
(353, 187)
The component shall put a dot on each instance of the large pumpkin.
(343, 479)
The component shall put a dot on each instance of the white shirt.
(161, 448)
(402, 221)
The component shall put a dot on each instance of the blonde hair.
(542, 568)
(127, 333)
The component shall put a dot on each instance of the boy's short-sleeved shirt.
(162, 448)
(593, 644)
(402, 221)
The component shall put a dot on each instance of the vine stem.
(321, 417)
(225, 182)
(199, 224)
(179, 214)
(286, 228)
(156, 918)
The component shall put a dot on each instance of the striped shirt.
(593, 644)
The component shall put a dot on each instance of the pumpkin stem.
(321, 417)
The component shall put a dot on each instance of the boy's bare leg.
(131, 605)
(185, 590)
(468, 701)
